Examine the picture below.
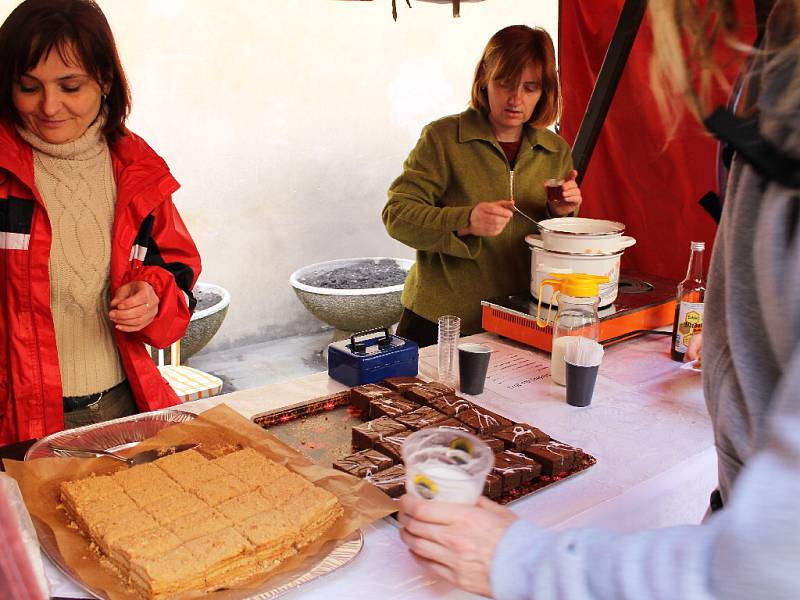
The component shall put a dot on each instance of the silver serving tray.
(129, 431)
(110, 435)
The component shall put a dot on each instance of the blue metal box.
(358, 361)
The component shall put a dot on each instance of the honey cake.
(101, 495)
(145, 484)
(188, 468)
(218, 490)
(216, 531)
(285, 489)
(166, 575)
(272, 533)
(313, 510)
(197, 524)
(118, 525)
(144, 545)
(251, 467)
(223, 557)
(241, 507)
(173, 507)
(92, 489)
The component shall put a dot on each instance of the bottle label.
(690, 322)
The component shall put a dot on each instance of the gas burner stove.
(644, 302)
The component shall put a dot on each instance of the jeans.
(117, 403)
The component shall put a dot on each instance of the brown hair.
(506, 55)
(77, 30)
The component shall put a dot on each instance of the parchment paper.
(219, 430)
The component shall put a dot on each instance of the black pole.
(619, 49)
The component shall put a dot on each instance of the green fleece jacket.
(456, 164)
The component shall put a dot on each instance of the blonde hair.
(685, 61)
(505, 56)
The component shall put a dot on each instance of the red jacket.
(149, 243)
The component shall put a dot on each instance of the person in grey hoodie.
(750, 548)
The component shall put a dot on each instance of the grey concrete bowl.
(207, 321)
(350, 309)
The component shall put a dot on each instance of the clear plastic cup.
(449, 332)
(447, 465)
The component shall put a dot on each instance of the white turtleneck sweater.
(76, 182)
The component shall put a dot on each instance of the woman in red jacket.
(95, 261)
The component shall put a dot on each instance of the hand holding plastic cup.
(473, 363)
(448, 465)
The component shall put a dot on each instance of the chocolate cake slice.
(494, 444)
(400, 384)
(452, 423)
(361, 395)
(392, 481)
(515, 469)
(493, 487)
(482, 420)
(521, 435)
(366, 434)
(424, 393)
(392, 445)
(363, 463)
(554, 456)
(390, 405)
(451, 405)
(421, 418)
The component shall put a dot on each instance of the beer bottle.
(689, 303)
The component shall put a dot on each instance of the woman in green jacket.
(452, 203)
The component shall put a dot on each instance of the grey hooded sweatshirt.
(751, 371)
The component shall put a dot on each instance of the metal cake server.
(137, 459)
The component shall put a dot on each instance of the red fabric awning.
(635, 175)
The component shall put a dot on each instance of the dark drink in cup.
(555, 191)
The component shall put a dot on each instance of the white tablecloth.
(647, 426)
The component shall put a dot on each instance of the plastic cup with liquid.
(447, 465)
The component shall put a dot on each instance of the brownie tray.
(321, 430)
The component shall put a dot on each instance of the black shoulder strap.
(743, 136)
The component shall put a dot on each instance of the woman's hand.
(695, 349)
(456, 541)
(488, 219)
(571, 197)
(134, 306)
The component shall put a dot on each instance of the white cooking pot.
(584, 236)
(544, 262)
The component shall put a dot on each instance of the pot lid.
(535, 243)
(582, 226)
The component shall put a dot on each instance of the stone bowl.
(212, 306)
(350, 309)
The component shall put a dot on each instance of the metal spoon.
(519, 212)
(514, 206)
(138, 459)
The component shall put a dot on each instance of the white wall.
(286, 120)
